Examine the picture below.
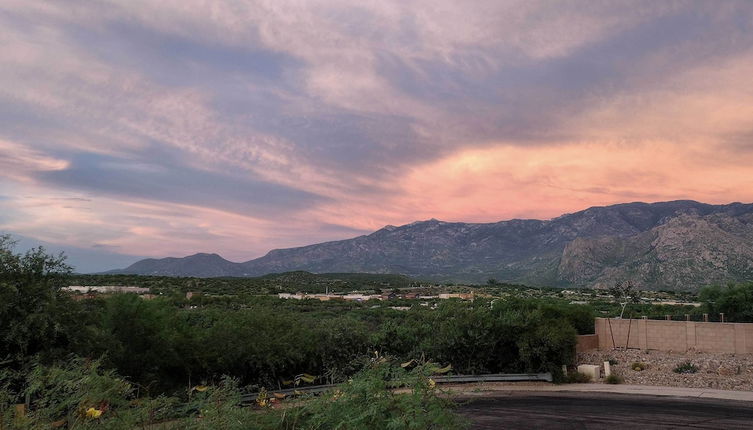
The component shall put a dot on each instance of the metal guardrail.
(453, 379)
(499, 377)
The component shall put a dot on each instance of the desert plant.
(685, 368)
(639, 366)
(577, 378)
(613, 378)
(613, 362)
(369, 401)
(69, 390)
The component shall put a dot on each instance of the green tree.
(734, 300)
(31, 305)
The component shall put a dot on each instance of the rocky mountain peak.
(666, 245)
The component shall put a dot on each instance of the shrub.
(638, 366)
(613, 379)
(685, 368)
(369, 401)
(79, 394)
(613, 362)
(577, 378)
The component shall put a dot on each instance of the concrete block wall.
(677, 336)
(587, 342)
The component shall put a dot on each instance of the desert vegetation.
(132, 361)
(127, 360)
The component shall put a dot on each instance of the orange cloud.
(513, 181)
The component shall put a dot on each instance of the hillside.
(668, 245)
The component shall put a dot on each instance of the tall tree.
(30, 304)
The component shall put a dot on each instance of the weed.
(685, 368)
(613, 379)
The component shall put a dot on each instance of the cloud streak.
(166, 128)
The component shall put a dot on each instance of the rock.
(723, 371)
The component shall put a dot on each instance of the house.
(86, 292)
(388, 296)
(356, 297)
(461, 296)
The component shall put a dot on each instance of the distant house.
(106, 289)
(357, 297)
(389, 296)
(461, 296)
(85, 292)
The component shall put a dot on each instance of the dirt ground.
(719, 371)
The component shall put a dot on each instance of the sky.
(135, 128)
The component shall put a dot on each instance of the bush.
(638, 366)
(368, 401)
(613, 362)
(613, 379)
(685, 368)
(734, 300)
(79, 394)
(577, 378)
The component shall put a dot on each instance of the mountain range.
(677, 245)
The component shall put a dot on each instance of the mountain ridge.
(569, 250)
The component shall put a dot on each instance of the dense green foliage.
(168, 343)
(367, 402)
(162, 346)
(289, 282)
(81, 395)
(35, 318)
(734, 300)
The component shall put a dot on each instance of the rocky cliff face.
(682, 244)
(683, 253)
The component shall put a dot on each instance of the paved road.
(589, 410)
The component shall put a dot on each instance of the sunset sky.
(164, 128)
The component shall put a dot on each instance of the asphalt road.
(589, 410)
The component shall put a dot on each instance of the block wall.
(678, 336)
(587, 342)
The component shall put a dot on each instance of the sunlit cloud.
(167, 128)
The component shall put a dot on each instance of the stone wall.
(678, 336)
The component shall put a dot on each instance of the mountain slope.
(685, 252)
(198, 265)
(660, 245)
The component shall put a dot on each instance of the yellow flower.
(93, 413)
(200, 388)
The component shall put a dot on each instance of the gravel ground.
(719, 371)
